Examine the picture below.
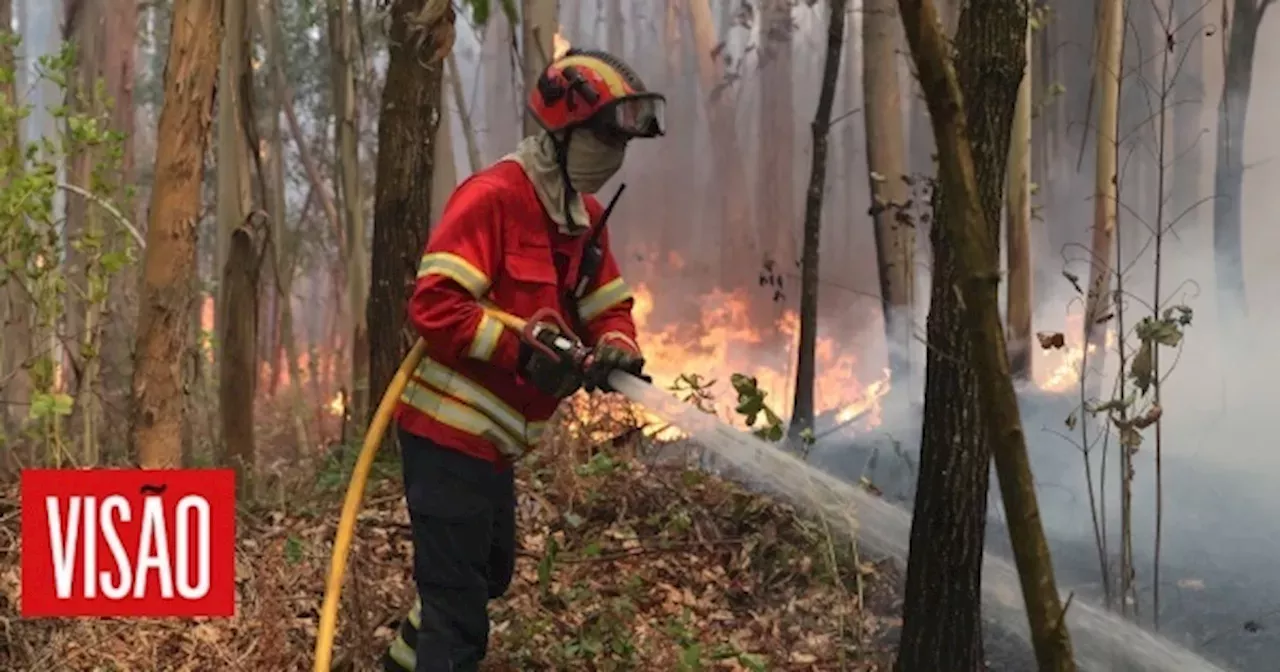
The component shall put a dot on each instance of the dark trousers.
(462, 511)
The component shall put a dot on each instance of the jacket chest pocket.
(531, 279)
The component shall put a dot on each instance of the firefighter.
(518, 236)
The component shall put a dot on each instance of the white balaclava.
(590, 163)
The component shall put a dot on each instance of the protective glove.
(608, 358)
(559, 376)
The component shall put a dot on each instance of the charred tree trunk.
(990, 47)
(421, 36)
(1228, 175)
(170, 260)
(238, 365)
(942, 626)
(803, 408)
(887, 167)
(1018, 230)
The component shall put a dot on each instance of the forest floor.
(624, 565)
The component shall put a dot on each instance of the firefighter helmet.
(594, 89)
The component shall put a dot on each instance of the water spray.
(1102, 641)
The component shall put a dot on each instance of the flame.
(723, 342)
(560, 45)
(1059, 368)
(337, 407)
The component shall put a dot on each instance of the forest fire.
(337, 406)
(560, 45)
(1059, 367)
(721, 343)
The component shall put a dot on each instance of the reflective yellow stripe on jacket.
(607, 296)
(452, 399)
(455, 268)
(486, 339)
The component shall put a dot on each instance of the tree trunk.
(739, 243)
(887, 167)
(283, 243)
(1189, 94)
(120, 320)
(537, 32)
(1228, 175)
(237, 371)
(82, 317)
(1018, 230)
(170, 260)
(616, 23)
(1107, 89)
(231, 152)
(444, 169)
(342, 42)
(775, 201)
(499, 101)
(421, 35)
(942, 626)
(309, 162)
(803, 408)
(464, 114)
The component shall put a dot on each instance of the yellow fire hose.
(355, 491)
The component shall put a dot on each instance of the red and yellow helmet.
(593, 89)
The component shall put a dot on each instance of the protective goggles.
(641, 115)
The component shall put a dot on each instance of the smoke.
(1218, 454)
(1219, 461)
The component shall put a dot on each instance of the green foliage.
(751, 407)
(764, 422)
(56, 267)
(481, 10)
(1130, 413)
(694, 657)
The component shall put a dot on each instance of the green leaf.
(752, 662)
(546, 565)
(292, 550)
(479, 11)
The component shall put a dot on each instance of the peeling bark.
(170, 260)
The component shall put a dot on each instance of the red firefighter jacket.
(496, 242)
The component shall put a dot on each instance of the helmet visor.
(638, 116)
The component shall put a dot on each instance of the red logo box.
(128, 542)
